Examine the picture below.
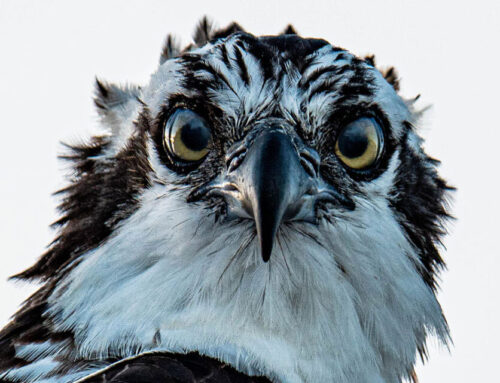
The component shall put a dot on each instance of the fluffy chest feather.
(310, 314)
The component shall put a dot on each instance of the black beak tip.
(266, 250)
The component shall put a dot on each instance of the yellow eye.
(360, 143)
(187, 135)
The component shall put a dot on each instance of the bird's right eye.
(187, 136)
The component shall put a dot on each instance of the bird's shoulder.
(170, 368)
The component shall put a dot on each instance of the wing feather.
(170, 368)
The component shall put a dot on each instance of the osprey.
(261, 211)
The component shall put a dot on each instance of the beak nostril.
(235, 158)
(310, 161)
(308, 167)
(230, 187)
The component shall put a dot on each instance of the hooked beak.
(270, 181)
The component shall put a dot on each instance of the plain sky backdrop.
(447, 51)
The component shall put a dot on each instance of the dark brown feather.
(171, 368)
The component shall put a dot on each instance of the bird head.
(265, 200)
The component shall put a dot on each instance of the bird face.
(275, 147)
(262, 200)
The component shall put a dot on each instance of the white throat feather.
(169, 279)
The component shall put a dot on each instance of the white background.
(448, 51)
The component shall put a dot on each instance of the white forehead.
(238, 99)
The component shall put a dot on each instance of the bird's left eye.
(360, 143)
(187, 136)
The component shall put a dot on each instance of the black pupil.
(195, 135)
(353, 141)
